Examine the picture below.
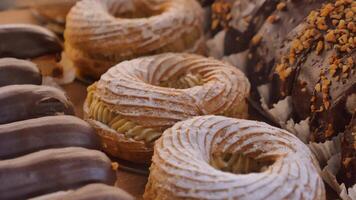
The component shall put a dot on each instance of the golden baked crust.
(100, 34)
(132, 99)
(283, 167)
(54, 10)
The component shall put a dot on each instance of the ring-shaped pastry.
(102, 33)
(215, 157)
(135, 101)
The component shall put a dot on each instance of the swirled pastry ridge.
(100, 34)
(183, 162)
(141, 98)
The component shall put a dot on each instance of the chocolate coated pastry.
(27, 41)
(93, 191)
(14, 71)
(268, 43)
(206, 2)
(27, 136)
(348, 161)
(20, 102)
(244, 20)
(52, 170)
(318, 70)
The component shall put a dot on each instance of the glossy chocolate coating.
(20, 102)
(206, 2)
(321, 75)
(275, 35)
(247, 18)
(303, 90)
(23, 137)
(348, 161)
(52, 170)
(16, 72)
(90, 192)
(27, 41)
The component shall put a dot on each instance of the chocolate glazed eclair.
(27, 136)
(20, 102)
(51, 170)
(15, 71)
(34, 43)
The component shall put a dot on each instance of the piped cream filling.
(100, 112)
(187, 81)
(190, 80)
(237, 163)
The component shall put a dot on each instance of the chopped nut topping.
(281, 6)
(221, 14)
(272, 19)
(331, 27)
(256, 40)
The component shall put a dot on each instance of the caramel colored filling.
(100, 112)
(237, 163)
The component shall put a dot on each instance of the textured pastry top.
(183, 155)
(133, 89)
(122, 28)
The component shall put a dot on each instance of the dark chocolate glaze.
(17, 72)
(20, 102)
(206, 2)
(326, 109)
(27, 41)
(23, 137)
(348, 153)
(91, 192)
(247, 18)
(53, 170)
(274, 37)
(337, 115)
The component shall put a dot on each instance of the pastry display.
(100, 34)
(214, 157)
(51, 170)
(89, 192)
(177, 99)
(43, 151)
(23, 137)
(15, 71)
(20, 102)
(135, 101)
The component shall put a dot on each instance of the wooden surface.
(133, 183)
